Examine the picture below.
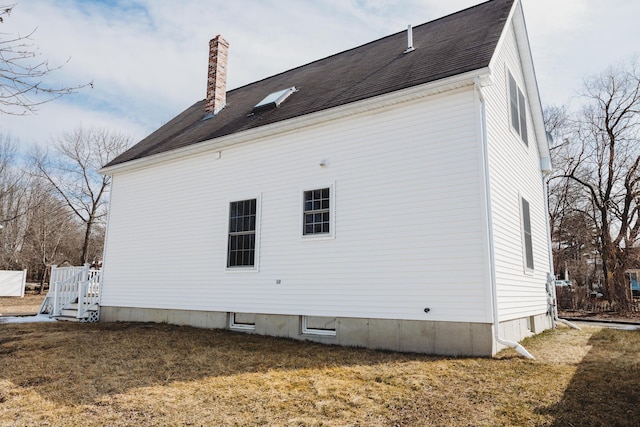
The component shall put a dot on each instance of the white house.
(390, 196)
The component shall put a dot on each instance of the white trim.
(516, 22)
(240, 326)
(256, 257)
(369, 104)
(332, 213)
(313, 331)
(484, 188)
(531, 82)
(106, 241)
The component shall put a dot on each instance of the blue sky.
(148, 58)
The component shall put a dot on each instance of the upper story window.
(518, 110)
(526, 232)
(241, 250)
(317, 212)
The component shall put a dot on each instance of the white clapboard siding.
(409, 230)
(515, 173)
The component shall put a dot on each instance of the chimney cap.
(219, 39)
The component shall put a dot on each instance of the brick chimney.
(217, 77)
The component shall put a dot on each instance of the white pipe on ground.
(569, 324)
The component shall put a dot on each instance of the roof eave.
(516, 18)
(533, 93)
(373, 103)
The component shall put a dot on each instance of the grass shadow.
(74, 364)
(605, 389)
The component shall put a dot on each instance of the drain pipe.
(487, 194)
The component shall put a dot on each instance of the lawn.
(29, 304)
(118, 374)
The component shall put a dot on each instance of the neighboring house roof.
(449, 46)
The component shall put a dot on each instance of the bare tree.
(12, 190)
(557, 122)
(50, 236)
(71, 169)
(22, 86)
(15, 202)
(572, 228)
(602, 158)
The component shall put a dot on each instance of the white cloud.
(573, 39)
(55, 119)
(148, 58)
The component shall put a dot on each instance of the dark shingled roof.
(452, 45)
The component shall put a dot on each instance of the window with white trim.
(241, 321)
(518, 110)
(526, 233)
(316, 216)
(323, 326)
(241, 248)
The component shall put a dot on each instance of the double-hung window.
(518, 110)
(316, 216)
(241, 249)
(526, 232)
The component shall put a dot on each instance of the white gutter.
(492, 263)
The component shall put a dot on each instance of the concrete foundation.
(441, 338)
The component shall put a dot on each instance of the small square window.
(317, 212)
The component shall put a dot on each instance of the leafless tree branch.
(23, 74)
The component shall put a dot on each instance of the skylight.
(274, 99)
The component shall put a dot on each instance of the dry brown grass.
(62, 374)
(29, 304)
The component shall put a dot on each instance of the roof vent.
(409, 40)
(274, 99)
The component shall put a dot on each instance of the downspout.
(487, 193)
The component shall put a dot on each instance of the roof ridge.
(451, 45)
(366, 44)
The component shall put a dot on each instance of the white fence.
(12, 283)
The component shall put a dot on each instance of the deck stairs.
(71, 312)
(74, 294)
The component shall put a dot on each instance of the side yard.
(29, 304)
(153, 374)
